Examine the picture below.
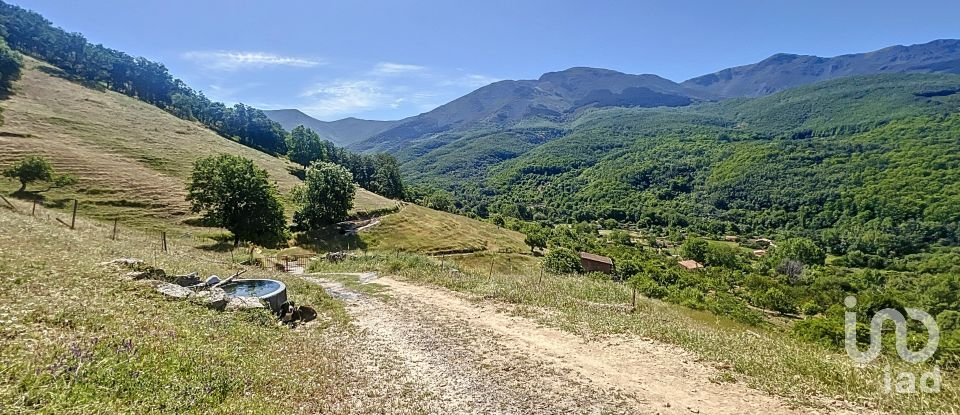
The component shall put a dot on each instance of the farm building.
(596, 263)
(691, 265)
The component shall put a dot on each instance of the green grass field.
(419, 229)
(75, 338)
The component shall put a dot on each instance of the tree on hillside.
(36, 169)
(536, 237)
(695, 249)
(234, 193)
(386, 177)
(562, 261)
(325, 196)
(10, 64)
(304, 146)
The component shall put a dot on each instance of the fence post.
(163, 240)
(33, 212)
(491, 268)
(540, 280)
(114, 237)
(73, 220)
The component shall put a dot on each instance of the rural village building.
(691, 265)
(596, 263)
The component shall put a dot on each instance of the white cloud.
(346, 97)
(477, 81)
(233, 60)
(390, 68)
(470, 81)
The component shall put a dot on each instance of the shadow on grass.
(219, 246)
(60, 73)
(329, 239)
(297, 172)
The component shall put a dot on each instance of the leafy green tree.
(234, 193)
(386, 179)
(325, 196)
(439, 200)
(536, 237)
(10, 66)
(695, 249)
(304, 146)
(620, 237)
(722, 255)
(790, 256)
(33, 169)
(562, 261)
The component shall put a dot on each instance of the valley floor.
(481, 358)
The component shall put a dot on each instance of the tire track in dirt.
(474, 359)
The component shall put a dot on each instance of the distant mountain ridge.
(784, 71)
(556, 96)
(341, 132)
(552, 97)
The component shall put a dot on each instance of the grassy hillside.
(419, 229)
(78, 339)
(132, 159)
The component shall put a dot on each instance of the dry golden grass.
(419, 229)
(132, 159)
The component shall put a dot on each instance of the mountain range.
(563, 95)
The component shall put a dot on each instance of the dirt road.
(470, 358)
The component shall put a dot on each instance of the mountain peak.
(782, 71)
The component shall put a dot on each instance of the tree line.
(141, 78)
(138, 77)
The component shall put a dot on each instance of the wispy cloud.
(234, 60)
(386, 88)
(468, 81)
(390, 68)
(345, 97)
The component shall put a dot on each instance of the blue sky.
(391, 59)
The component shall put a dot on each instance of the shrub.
(562, 261)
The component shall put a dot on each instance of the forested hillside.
(864, 164)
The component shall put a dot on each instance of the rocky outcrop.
(213, 298)
(174, 291)
(244, 303)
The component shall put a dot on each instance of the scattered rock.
(212, 280)
(243, 303)
(173, 291)
(213, 298)
(187, 280)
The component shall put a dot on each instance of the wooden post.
(491, 267)
(73, 220)
(163, 240)
(114, 237)
(540, 280)
(441, 262)
(33, 212)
